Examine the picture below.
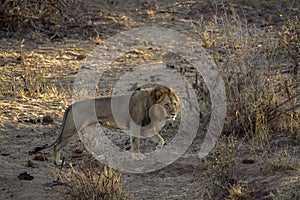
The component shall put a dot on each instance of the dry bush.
(260, 69)
(47, 16)
(30, 79)
(88, 183)
(220, 178)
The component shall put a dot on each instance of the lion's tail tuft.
(37, 149)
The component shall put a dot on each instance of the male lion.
(149, 109)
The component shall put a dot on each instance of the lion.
(148, 111)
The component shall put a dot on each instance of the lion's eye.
(167, 105)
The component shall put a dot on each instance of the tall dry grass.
(260, 67)
(43, 16)
(89, 181)
(261, 73)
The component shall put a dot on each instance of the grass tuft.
(89, 183)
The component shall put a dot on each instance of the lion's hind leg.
(63, 141)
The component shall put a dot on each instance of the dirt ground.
(24, 123)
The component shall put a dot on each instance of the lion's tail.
(46, 146)
(38, 149)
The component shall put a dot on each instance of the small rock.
(33, 121)
(85, 67)
(40, 158)
(30, 164)
(47, 119)
(80, 57)
(25, 176)
(79, 150)
(248, 161)
(170, 66)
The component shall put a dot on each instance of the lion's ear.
(158, 95)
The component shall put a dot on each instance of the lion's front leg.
(135, 148)
(154, 137)
(158, 140)
(135, 144)
(135, 137)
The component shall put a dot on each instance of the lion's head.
(167, 98)
(144, 99)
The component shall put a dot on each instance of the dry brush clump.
(46, 16)
(260, 68)
(261, 72)
(89, 183)
(30, 78)
(220, 178)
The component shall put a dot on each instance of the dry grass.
(260, 67)
(220, 177)
(260, 70)
(282, 159)
(87, 182)
(43, 16)
(30, 81)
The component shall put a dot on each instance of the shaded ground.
(57, 61)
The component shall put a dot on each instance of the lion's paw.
(59, 162)
(138, 156)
